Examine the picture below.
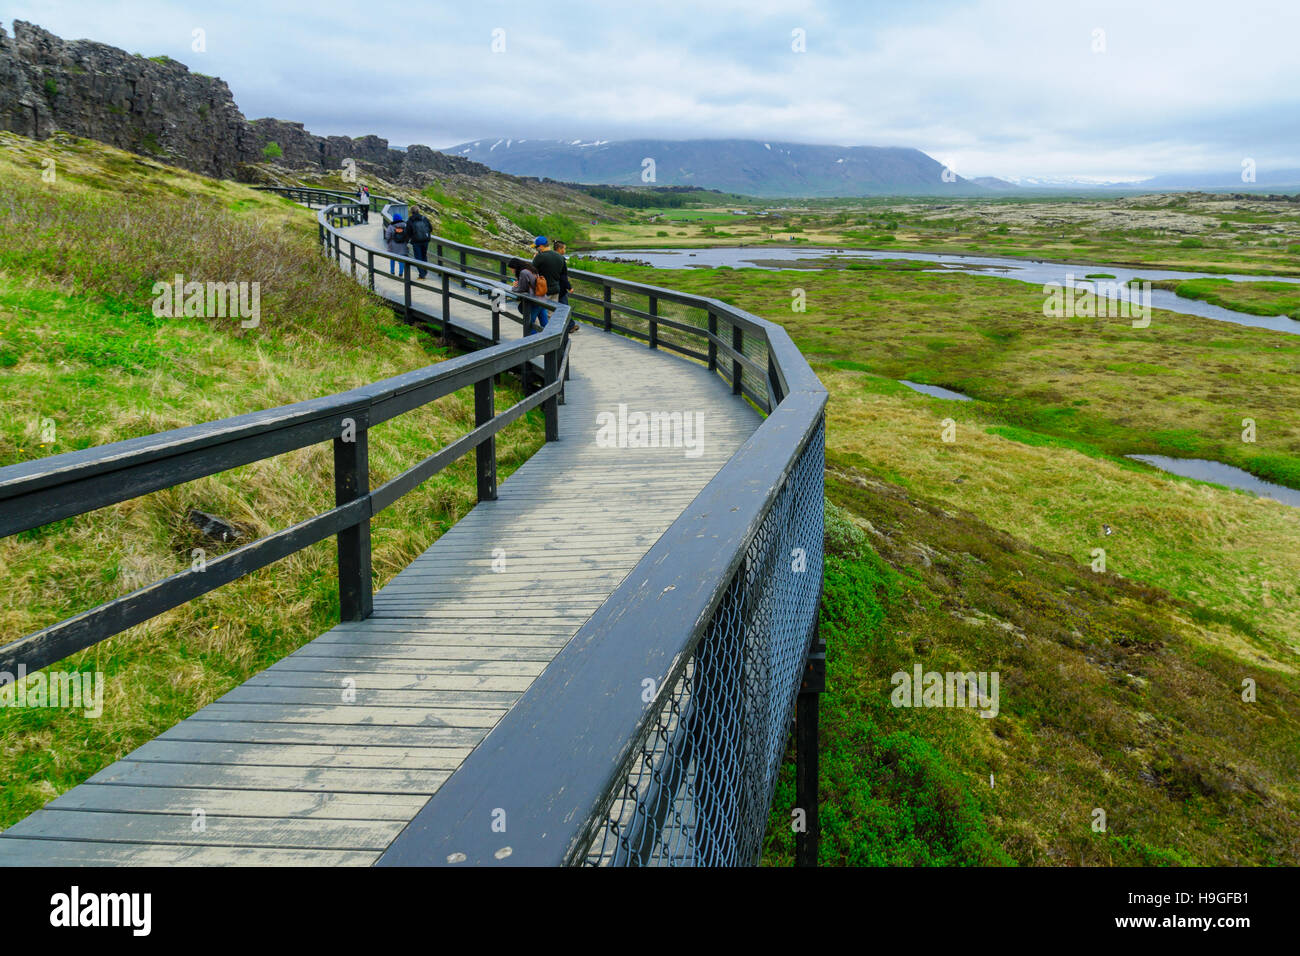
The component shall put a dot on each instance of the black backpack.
(400, 232)
(421, 231)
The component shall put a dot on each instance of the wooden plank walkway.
(324, 757)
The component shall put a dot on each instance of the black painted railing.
(36, 493)
(719, 618)
(656, 735)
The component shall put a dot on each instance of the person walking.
(421, 233)
(526, 284)
(565, 285)
(550, 266)
(396, 234)
(363, 200)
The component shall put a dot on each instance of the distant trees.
(666, 198)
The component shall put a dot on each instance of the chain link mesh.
(700, 787)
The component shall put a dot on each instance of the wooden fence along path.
(325, 757)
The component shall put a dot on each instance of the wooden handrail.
(44, 490)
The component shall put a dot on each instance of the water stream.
(1031, 271)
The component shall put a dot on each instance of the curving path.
(325, 756)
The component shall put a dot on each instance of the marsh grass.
(1120, 690)
(1256, 298)
(1108, 700)
(1201, 232)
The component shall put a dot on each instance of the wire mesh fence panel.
(699, 786)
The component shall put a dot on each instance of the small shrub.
(272, 150)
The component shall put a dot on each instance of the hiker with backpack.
(396, 235)
(550, 266)
(527, 283)
(421, 233)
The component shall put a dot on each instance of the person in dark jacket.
(421, 233)
(565, 285)
(549, 265)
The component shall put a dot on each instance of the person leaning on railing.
(526, 284)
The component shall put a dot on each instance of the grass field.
(82, 353)
(1198, 232)
(1121, 689)
(1257, 298)
(1123, 609)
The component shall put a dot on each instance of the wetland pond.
(1203, 469)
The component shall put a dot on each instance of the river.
(1031, 271)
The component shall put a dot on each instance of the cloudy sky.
(1040, 88)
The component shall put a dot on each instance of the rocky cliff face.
(155, 107)
(158, 108)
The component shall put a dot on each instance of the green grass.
(1127, 230)
(1200, 588)
(1107, 700)
(82, 351)
(1256, 298)
(552, 225)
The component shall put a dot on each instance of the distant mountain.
(1264, 179)
(750, 167)
(992, 182)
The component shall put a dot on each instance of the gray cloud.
(1005, 88)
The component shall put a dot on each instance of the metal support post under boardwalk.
(807, 764)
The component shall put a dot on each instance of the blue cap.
(541, 241)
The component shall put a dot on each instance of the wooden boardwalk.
(325, 756)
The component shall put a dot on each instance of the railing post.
(654, 326)
(406, 289)
(352, 481)
(370, 267)
(497, 296)
(564, 345)
(713, 346)
(609, 313)
(552, 406)
(463, 264)
(807, 707)
(320, 227)
(774, 396)
(737, 370)
(486, 453)
(446, 302)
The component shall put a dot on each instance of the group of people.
(416, 231)
(552, 269)
(549, 264)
